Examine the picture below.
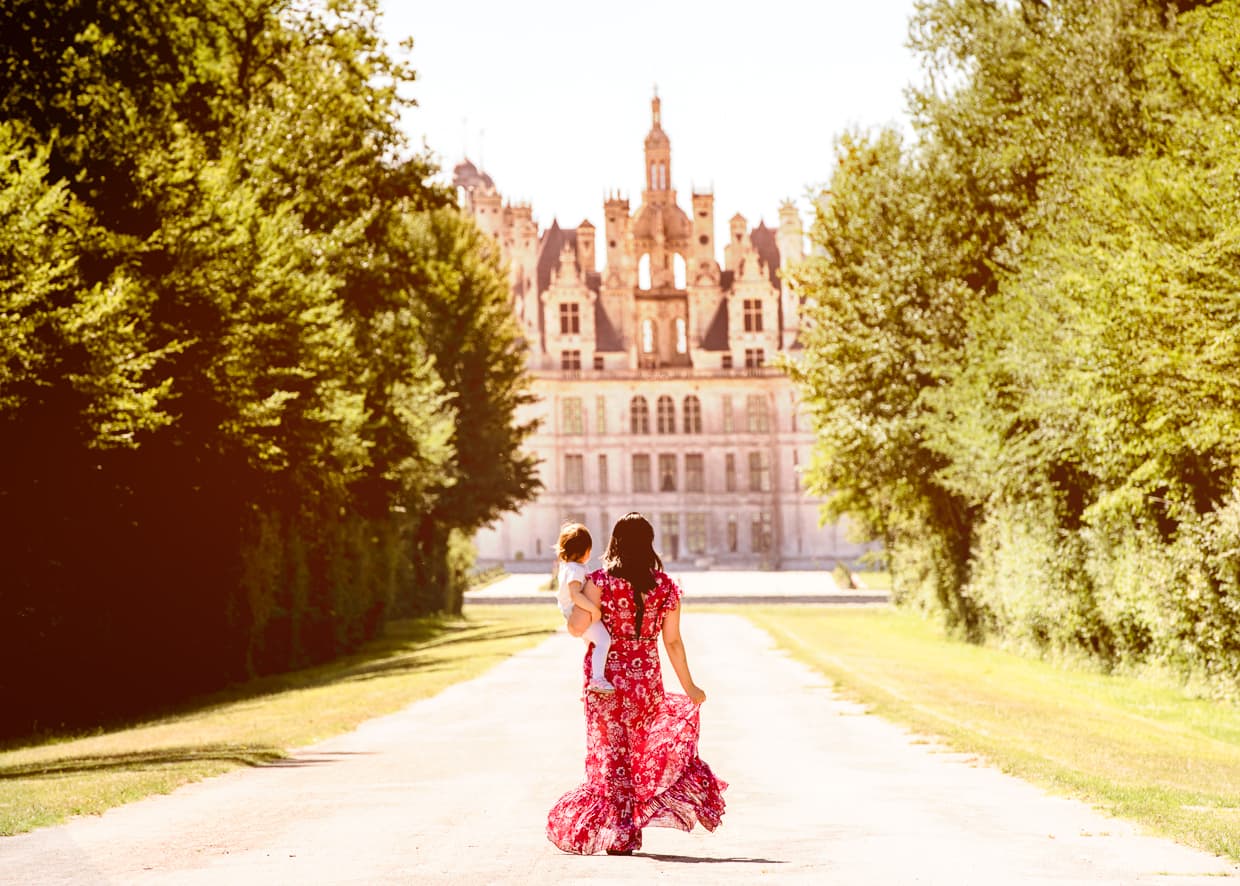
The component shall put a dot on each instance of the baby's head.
(574, 543)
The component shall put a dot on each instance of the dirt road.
(455, 789)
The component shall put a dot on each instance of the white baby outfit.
(571, 571)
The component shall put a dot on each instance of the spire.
(658, 151)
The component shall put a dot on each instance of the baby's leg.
(597, 634)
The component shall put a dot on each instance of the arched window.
(643, 271)
(666, 415)
(682, 336)
(647, 336)
(693, 415)
(679, 273)
(639, 416)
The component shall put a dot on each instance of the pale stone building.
(654, 378)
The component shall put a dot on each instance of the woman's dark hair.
(630, 555)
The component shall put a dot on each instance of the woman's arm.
(581, 619)
(676, 654)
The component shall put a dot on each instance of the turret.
(658, 159)
(703, 246)
(791, 237)
(487, 214)
(615, 227)
(737, 245)
(791, 241)
(585, 246)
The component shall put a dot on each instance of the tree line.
(1023, 349)
(258, 376)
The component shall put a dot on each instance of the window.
(759, 420)
(760, 533)
(647, 336)
(670, 526)
(639, 416)
(570, 359)
(598, 361)
(643, 271)
(693, 415)
(600, 415)
(667, 472)
(682, 335)
(727, 413)
(759, 472)
(641, 473)
(726, 361)
(574, 473)
(666, 415)
(754, 358)
(604, 527)
(603, 482)
(729, 472)
(570, 319)
(570, 414)
(732, 534)
(695, 533)
(695, 475)
(753, 315)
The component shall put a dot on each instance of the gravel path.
(455, 790)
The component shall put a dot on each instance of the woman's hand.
(696, 695)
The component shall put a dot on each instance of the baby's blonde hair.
(574, 541)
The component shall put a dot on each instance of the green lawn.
(258, 722)
(1137, 750)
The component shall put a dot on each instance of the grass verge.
(1138, 751)
(257, 722)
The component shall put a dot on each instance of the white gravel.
(455, 790)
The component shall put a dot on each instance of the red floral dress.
(642, 766)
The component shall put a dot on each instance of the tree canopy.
(249, 350)
(1023, 353)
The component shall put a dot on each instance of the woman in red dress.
(642, 766)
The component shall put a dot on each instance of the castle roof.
(606, 338)
(466, 175)
(550, 246)
(763, 240)
(676, 225)
(716, 337)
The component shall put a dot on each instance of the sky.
(552, 98)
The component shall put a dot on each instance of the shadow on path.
(698, 859)
(240, 755)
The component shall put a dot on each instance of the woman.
(642, 767)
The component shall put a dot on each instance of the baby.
(572, 551)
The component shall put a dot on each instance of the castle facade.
(655, 379)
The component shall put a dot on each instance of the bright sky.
(552, 98)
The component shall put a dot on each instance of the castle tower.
(791, 240)
(487, 204)
(585, 247)
(738, 244)
(523, 269)
(658, 160)
(703, 246)
(616, 230)
(703, 272)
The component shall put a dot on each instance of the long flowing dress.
(642, 763)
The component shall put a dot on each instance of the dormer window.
(753, 315)
(570, 319)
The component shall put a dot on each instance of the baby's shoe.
(600, 685)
